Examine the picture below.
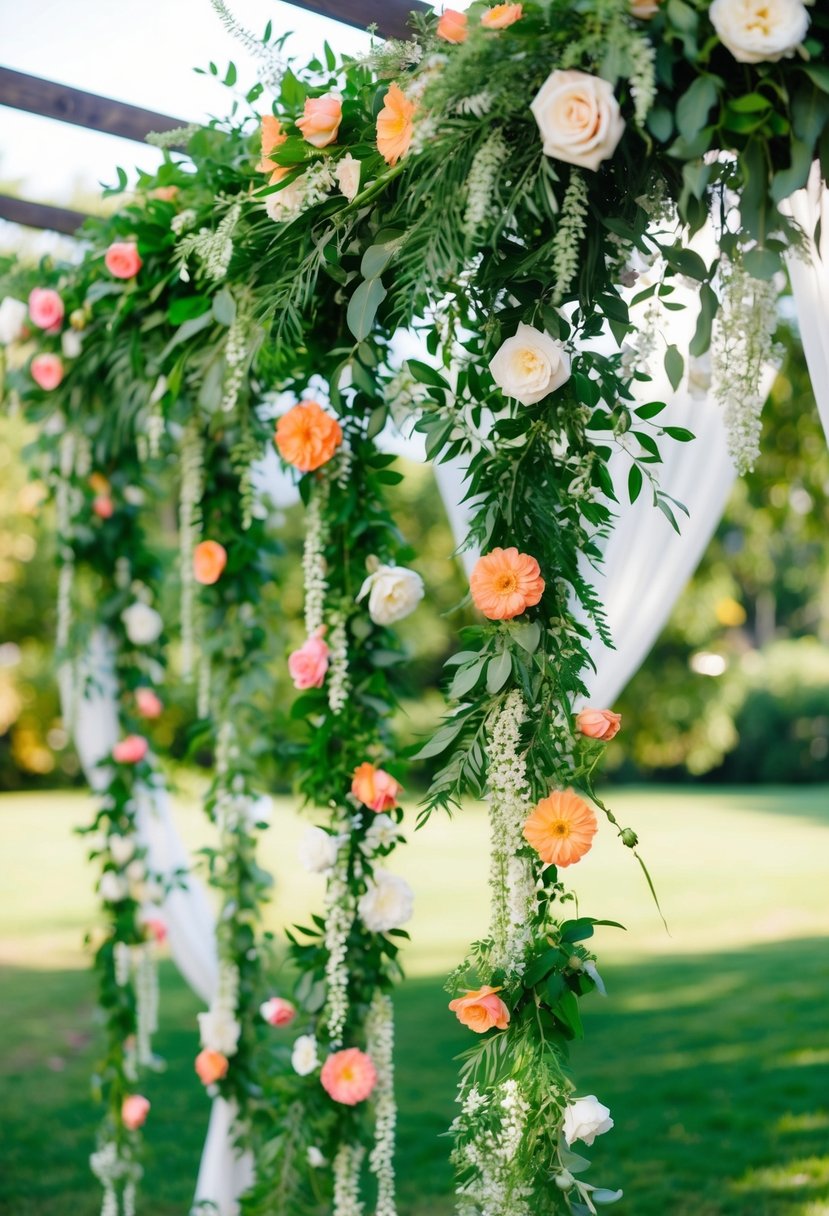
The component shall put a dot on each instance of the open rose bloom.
(211, 1066)
(123, 260)
(501, 15)
(130, 750)
(579, 118)
(307, 437)
(45, 308)
(209, 561)
(760, 31)
(375, 788)
(481, 1010)
(277, 1011)
(321, 119)
(349, 1076)
(453, 26)
(47, 371)
(307, 666)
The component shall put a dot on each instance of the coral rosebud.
(130, 750)
(134, 1111)
(321, 119)
(148, 704)
(211, 1066)
(45, 308)
(47, 371)
(103, 507)
(599, 724)
(123, 260)
(209, 561)
(308, 665)
(375, 788)
(277, 1011)
(453, 26)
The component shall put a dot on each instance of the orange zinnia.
(561, 828)
(502, 15)
(272, 137)
(505, 582)
(394, 125)
(209, 561)
(307, 437)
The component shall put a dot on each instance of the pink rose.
(123, 260)
(599, 724)
(211, 1066)
(47, 371)
(147, 704)
(348, 1076)
(103, 507)
(130, 750)
(278, 1012)
(308, 665)
(375, 788)
(481, 1010)
(45, 308)
(156, 928)
(321, 119)
(134, 1111)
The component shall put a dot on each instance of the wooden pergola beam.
(40, 215)
(391, 17)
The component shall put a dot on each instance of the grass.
(711, 1049)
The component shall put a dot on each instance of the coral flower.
(307, 437)
(452, 26)
(165, 194)
(375, 788)
(272, 137)
(481, 1010)
(348, 1076)
(502, 15)
(123, 260)
(99, 484)
(47, 371)
(321, 119)
(504, 583)
(130, 750)
(134, 1111)
(211, 1066)
(277, 1011)
(599, 724)
(103, 506)
(395, 125)
(209, 560)
(561, 828)
(45, 308)
(147, 703)
(155, 928)
(308, 665)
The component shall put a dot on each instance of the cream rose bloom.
(304, 1057)
(393, 592)
(760, 31)
(121, 848)
(70, 343)
(219, 1031)
(387, 903)
(113, 887)
(347, 174)
(317, 850)
(286, 202)
(530, 365)
(13, 315)
(585, 1119)
(142, 623)
(578, 117)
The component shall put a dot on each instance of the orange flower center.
(506, 583)
(561, 828)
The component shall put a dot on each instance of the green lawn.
(711, 1048)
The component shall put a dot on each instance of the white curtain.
(810, 285)
(191, 926)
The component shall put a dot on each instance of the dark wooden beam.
(390, 16)
(52, 100)
(40, 215)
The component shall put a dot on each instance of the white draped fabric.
(810, 287)
(191, 926)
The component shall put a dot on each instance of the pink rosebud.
(348, 1076)
(156, 928)
(47, 371)
(147, 704)
(278, 1012)
(211, 1066)
(308, 665)
(134, 1111)
(130, 750)
(103, 507)
(599, 724)
(123, 260)
(209, 560)
(375, 788)
(45, 308)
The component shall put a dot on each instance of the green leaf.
(541, 966)
(651, 409)
(567, 1012)
(679, 433)
(762, 263)
(687, 262)
(224, 307)
(465, 680)
(786, 181)
(818, 73)
(750, 103)
(230, 75)
(708, 305)
(660, 123)
(362, 307)
(440, 740)
(527, 634)
(674, 366)
(499, 670)
(634, 482)
(186, 331)
(376, 258)
(694, 106)
(427, 375)
(682, 16)
(577, 930)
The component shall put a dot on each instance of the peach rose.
(453, 26)
(502, 15)
(321, 119)
(123, 260)
(130, 750)
(395, 125)
(504, 583)
(348, 1076)
(209, 560)
(211, 1066)
(278, 1012)
(599, 724)
(375, 788)
(308, 665)
(481, 1010)
(103, 507)
(578, 117)
(644, 9)
(147, 704)
(45, 308)
(47, 371)
(272, 138)
(347, 174)
(165, 194)
(307, 437)
(134, 1111)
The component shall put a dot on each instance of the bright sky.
(139, 51)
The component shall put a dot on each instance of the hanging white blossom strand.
(347, 1165)
(192, 481)
(380, 1046)
(339, 917)
(313, 561)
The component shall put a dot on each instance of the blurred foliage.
(736, 687)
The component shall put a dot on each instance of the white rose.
(136, 871)
(113, 887)
(530, 365)
(387, 904)
(585, 1119)
(347, 174)
(304, 1058)
(318, 850)
(393, 592)
(70, 343)
(122, 849)
(578, 117)
(219, 1031)
(286, 202)
(315, 1158)
(760, 31)
(13, 315)
(142, 623)
(382, 832)
(644, 9)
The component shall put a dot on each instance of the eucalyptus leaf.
(498, 672)
(362, 307)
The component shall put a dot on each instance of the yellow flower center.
(506, 583)
(561, 828)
